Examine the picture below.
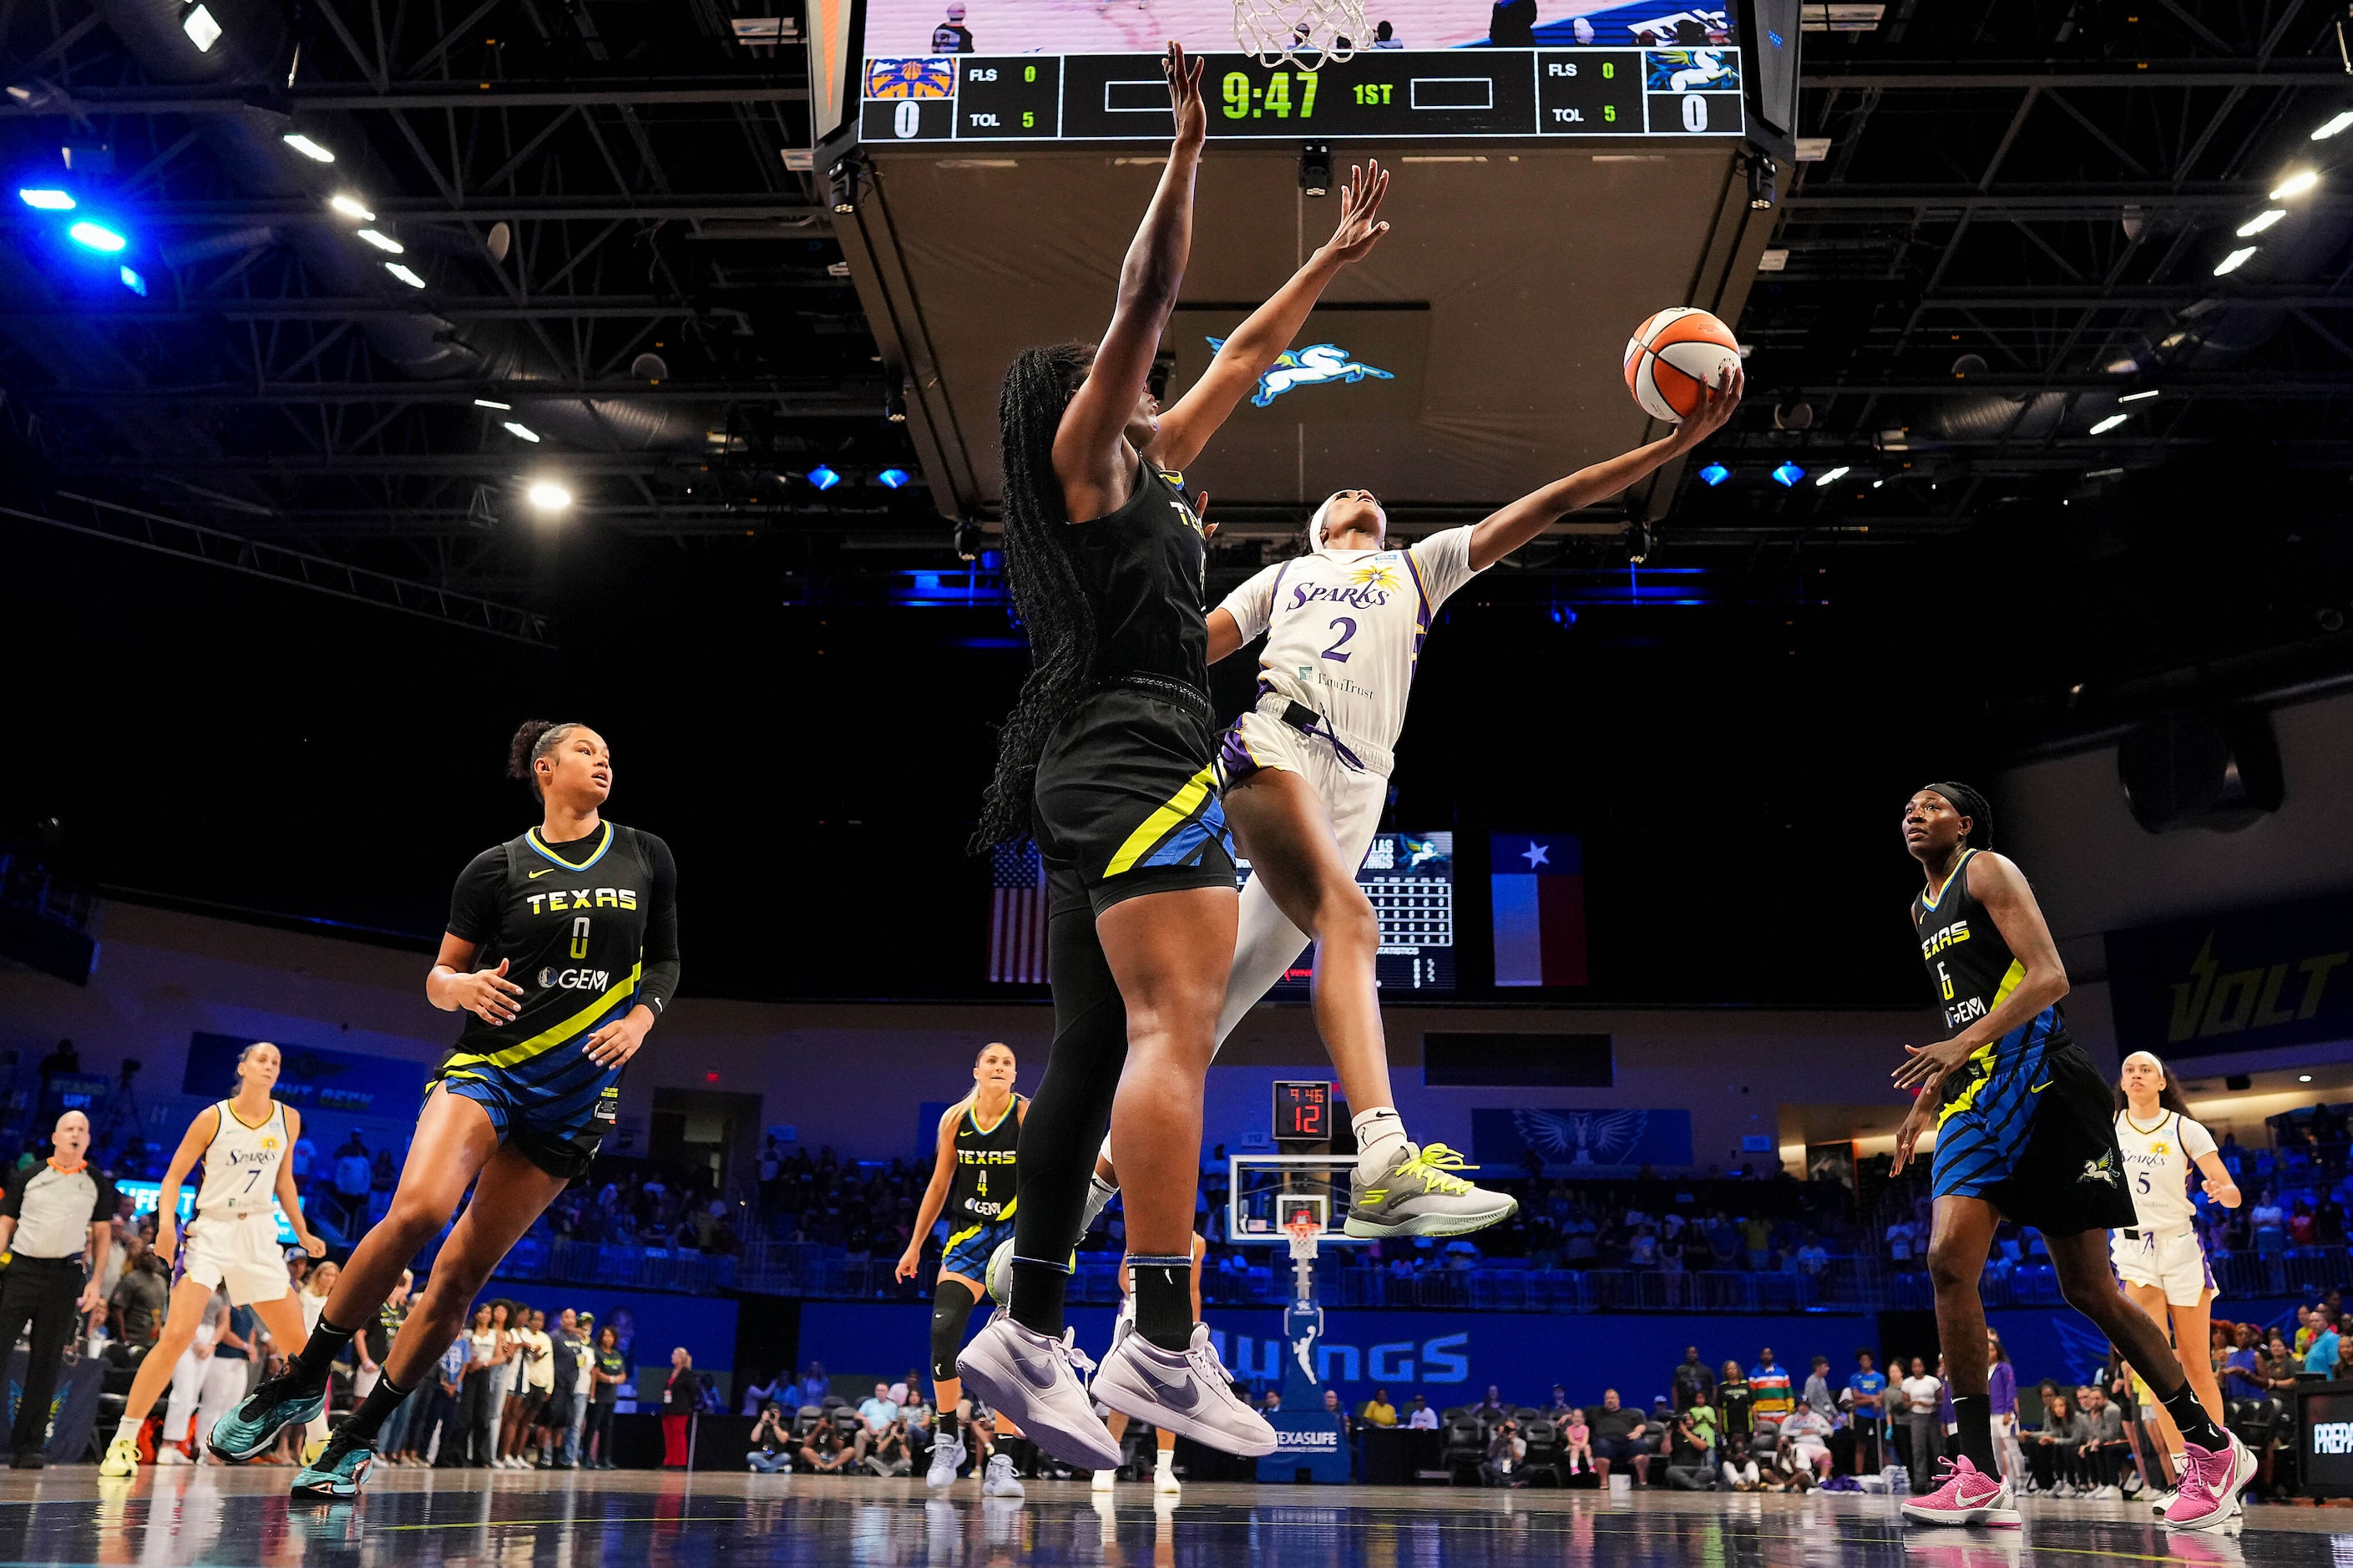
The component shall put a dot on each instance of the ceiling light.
(486, 402)
(133, 282)
(2234, 262)
(308, 148)
(823, 478)
(521, 432)
(2260, 221)
(2136, 397)
(97, 236)
(548, 495)
(892, 479)
(46, 200)
(1714, 474)
(1787, 474)
(382, 241)
(1832, 477)
(2296, 184)
(2330, 127)
(201, 30)
(351, 207)
(404, 274)
(2110, 423)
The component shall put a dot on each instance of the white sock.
(129, 1431)
(1378, 1132)
(1099, 1193)
(1167, 1459)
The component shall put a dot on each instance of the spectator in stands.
(2322, 1355)
(1817, 1396)
(1618, 1438)
(1338, 1412)
(2052, 1449)
(1506, 1455)
(1901, 1238)
(1923, 1394)
(438, 1419)
(1577, 1442)
(2001, 1399)
(2104, 1446)
(771, 1440)
(2269, 1223)
(1557, 1407)
(135, 1310)
(1378, 1411)
(681, 1393)
(354, 1178)
(889, 1453)
(1813, 1258)
(1803, 1448)
(2242, 1372)
(1769, 1392)
(1866, 1400)
(1421, 1417)
(1693, 1384)
(1491, 1408)
(813, 1384)
(611, 1371)
(1736, 1406)
(824, 1452)
(1691, 1454)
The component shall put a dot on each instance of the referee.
(51, 1214)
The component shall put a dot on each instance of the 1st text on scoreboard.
(1381, 94)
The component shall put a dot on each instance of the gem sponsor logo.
(575, 978)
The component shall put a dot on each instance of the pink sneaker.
(1966, 1495)
(2210, 1488)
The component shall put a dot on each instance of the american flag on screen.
(1017, 914)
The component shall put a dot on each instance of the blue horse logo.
(1310, 366)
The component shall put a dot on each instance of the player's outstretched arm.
(2000, 887)
(1507, 530)
(1258, 342)
(935, 1194)
(1087, 445)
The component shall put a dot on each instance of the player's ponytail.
(533, 739)
(1047, 593)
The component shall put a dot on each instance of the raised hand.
(1717, 405)
(1360, 210)
(1185, 97)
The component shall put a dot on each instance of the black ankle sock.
(947, 1425)
(367, 1420)
(2190, 1418)
(1037, 1290)
(1973, 1413)
(320, 1350)
(1164, 1300)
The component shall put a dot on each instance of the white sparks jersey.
(1344, 629)
(2158, 1167)
(241, 1163)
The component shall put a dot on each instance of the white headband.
(1315, 524)
(2152, 1059)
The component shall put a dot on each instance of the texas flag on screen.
(1539, 889)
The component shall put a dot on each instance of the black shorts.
(1127, 797)
(2069, 1175)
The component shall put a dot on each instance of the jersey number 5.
(580, 943)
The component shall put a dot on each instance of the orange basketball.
(1673, 358)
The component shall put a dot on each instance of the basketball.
(1674, 357)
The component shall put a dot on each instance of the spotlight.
(843, 179)
(201, 30)
(384, 242)
(548, 495)
(1638, 543)
(894, 404)
(1315, 169)
(133, 282)
(2137, 397)
(1714, 474)
(823, 478)
(2296, 184)
(966, 540)
(2260, 221)
(404, 274)
(2110, 423)
(97, 236)
(351, 207)
(308, 148)
(892, 479)
(1762, 171)
(2303, 1078)
(46, 200)
(1831, 476)
(2331, 126)
(521, 432)
(1787, 475)
(486, 402)
(2234, 262)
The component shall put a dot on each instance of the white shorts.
(1266, 944)
(239, 1251)
(2174, 1264)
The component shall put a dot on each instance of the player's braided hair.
(533, 739)
(1047, 592)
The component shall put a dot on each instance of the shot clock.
(1386, 94)
(1303, 1112)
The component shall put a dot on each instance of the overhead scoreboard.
(1382, 94)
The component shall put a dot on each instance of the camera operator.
(52, 1214)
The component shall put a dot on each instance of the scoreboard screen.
(1408, 877)
(1382, 94)
(1303, 1112)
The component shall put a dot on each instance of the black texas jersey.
(984, 1164)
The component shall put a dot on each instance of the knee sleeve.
(952, 1304)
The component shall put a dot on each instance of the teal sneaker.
(247, 1429)
(339, 1469)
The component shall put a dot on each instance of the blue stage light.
(1787, 474)
(1714, 474)
(823, 478)
(133, 282)
(46, 199)
(97, 236)
(892, 479)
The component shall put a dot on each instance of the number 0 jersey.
(984, 1156)
(1344, 631)
(1974, 972)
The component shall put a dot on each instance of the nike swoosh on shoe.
(1170, 1392)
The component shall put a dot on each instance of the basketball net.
(1303, 1230)
(1291, 30)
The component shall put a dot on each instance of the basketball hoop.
(1287, 30)
(1303, 1228)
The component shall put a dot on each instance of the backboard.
(1269, 1191)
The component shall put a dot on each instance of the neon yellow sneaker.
(122, 1459)
(1419, 1195)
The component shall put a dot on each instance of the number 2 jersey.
(588, 928)
(1344, 628)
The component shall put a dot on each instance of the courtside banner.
(311, 1078)
(2278, 974)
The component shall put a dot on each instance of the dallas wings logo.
(2103, 1168)
(1582, 1136)
(1311, 366)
